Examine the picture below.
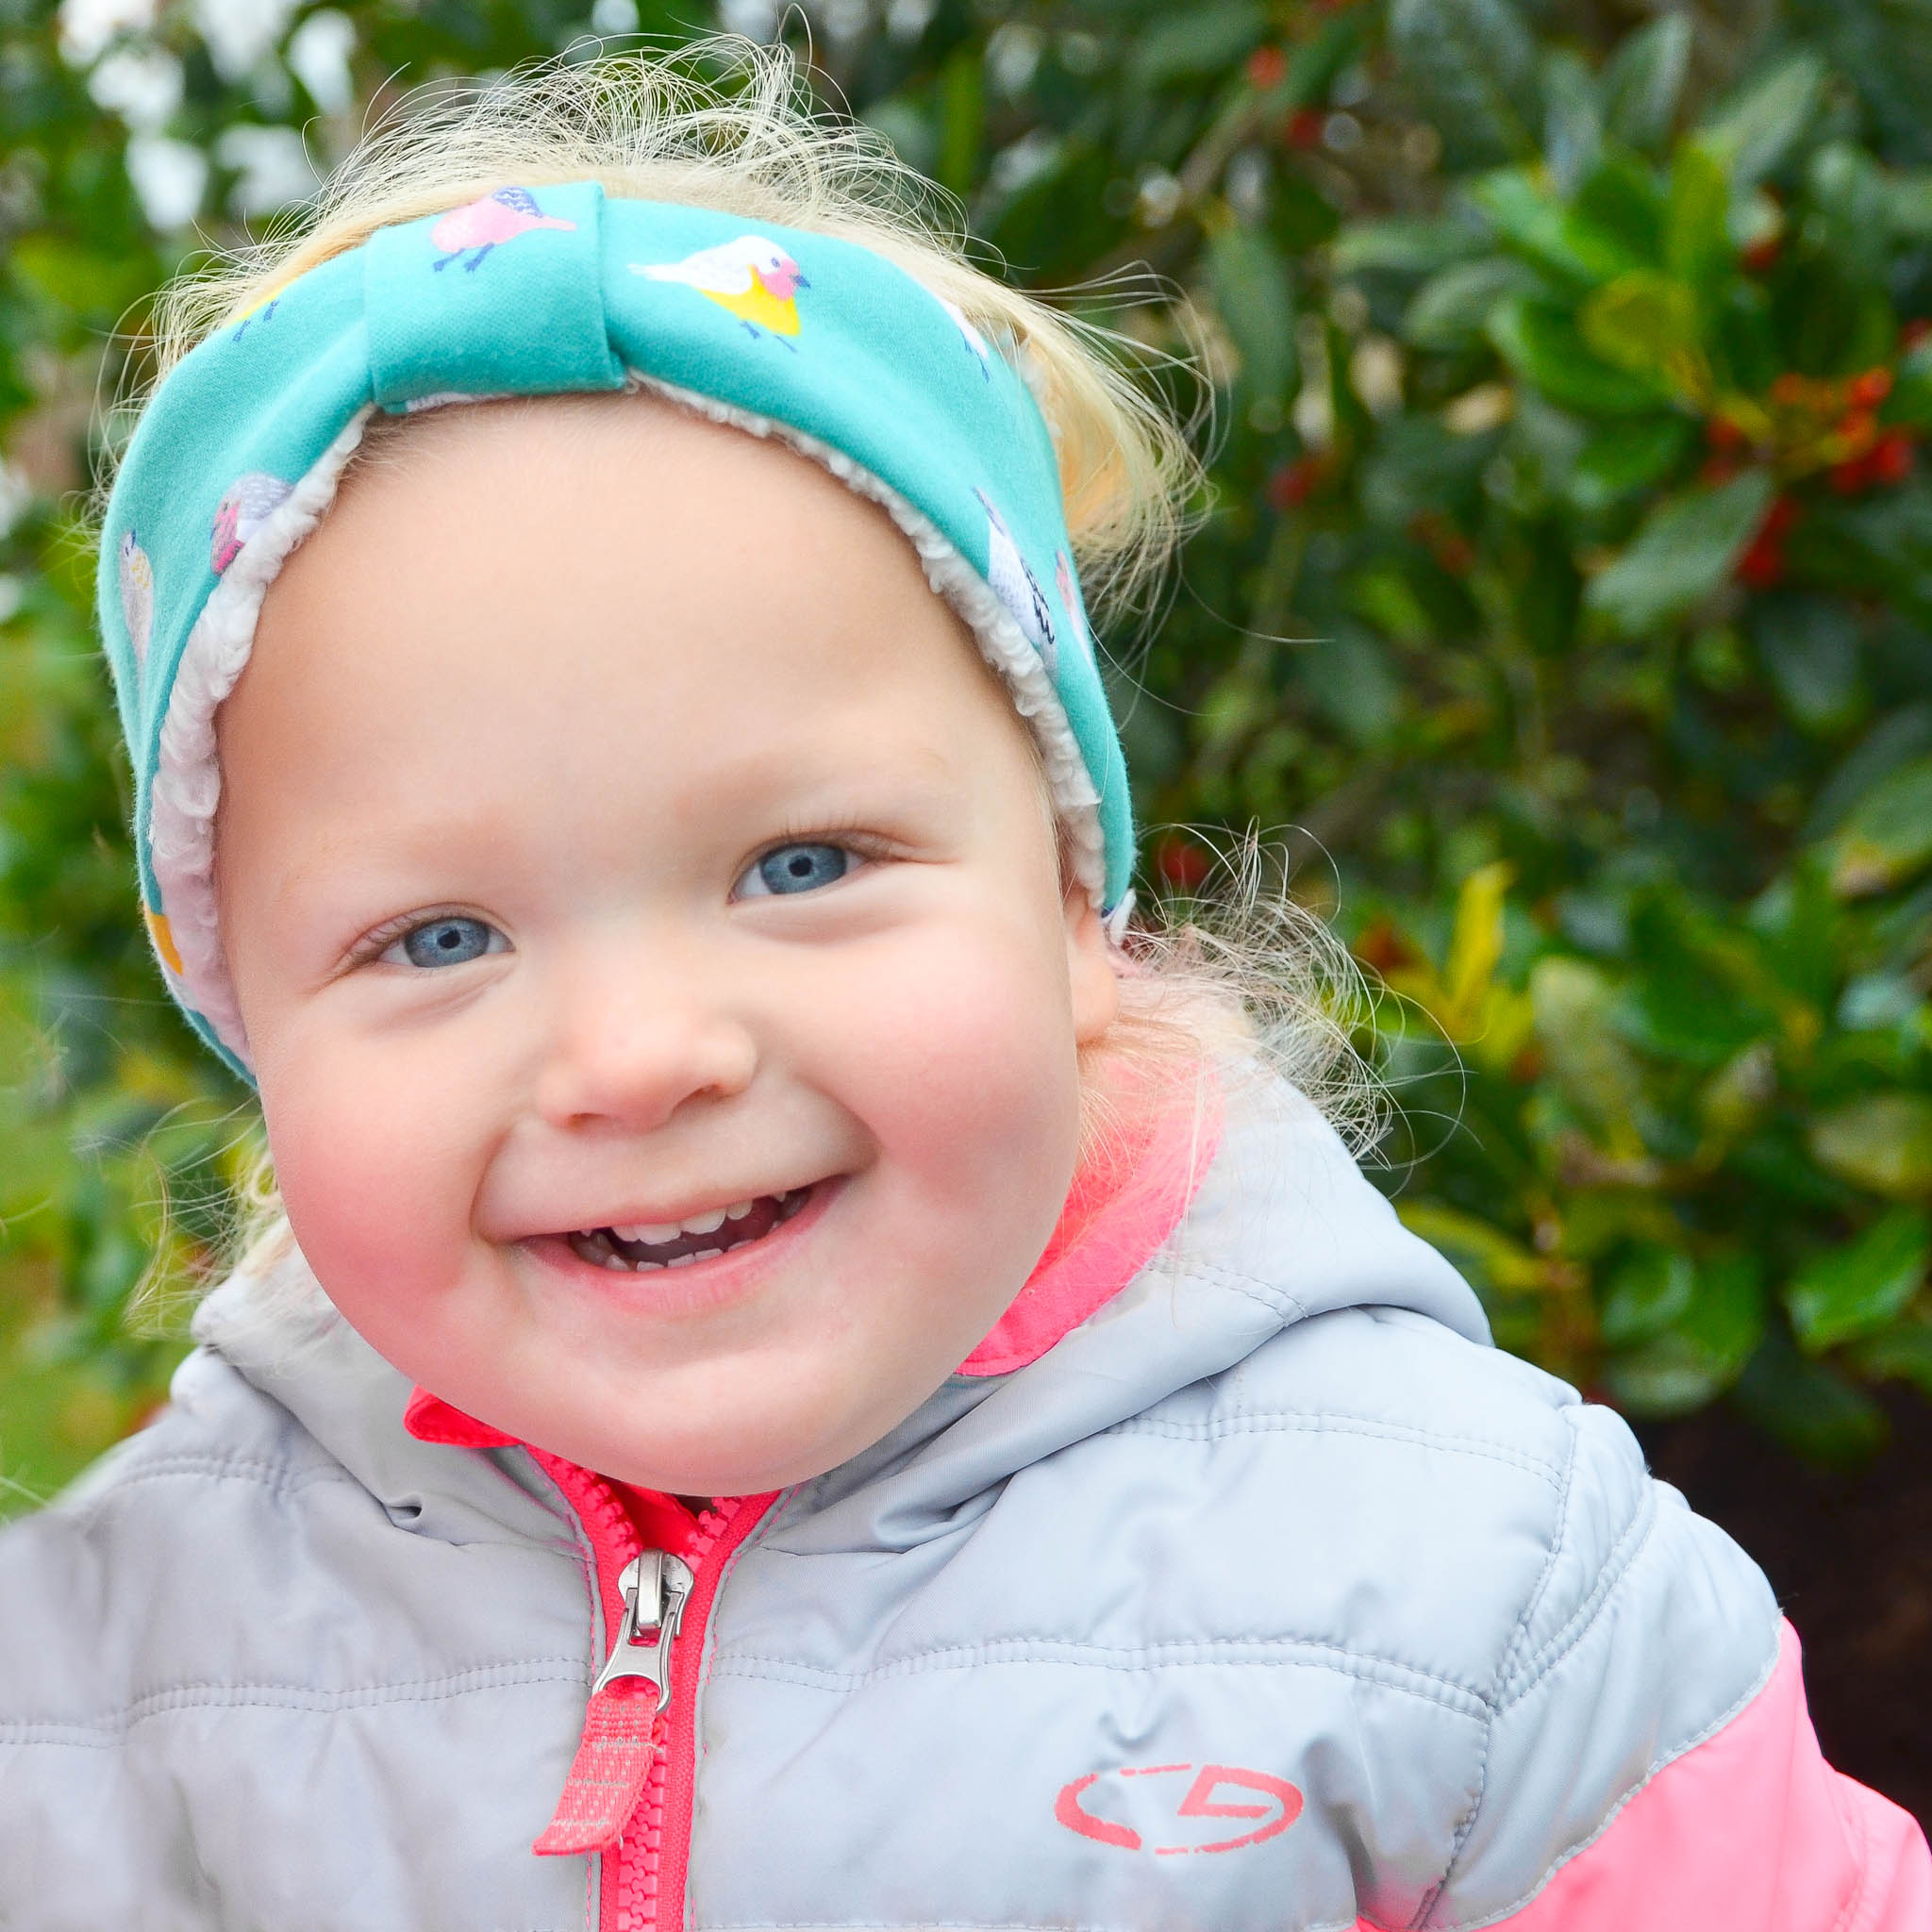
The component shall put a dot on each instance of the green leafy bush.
(1563, 597)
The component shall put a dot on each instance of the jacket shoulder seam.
(1623, 1553)
(1518, 1635)
(1659, 1763)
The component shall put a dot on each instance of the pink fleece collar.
(1127, 1198)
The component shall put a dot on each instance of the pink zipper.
(645, 1854)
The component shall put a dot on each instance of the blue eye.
(448, 942)
(797, 869)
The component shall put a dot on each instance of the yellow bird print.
(750, 278)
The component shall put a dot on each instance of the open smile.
(637, 1248)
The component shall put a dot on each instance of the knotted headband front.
(782, 332)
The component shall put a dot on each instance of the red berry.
(1868, 391)
(1181, 863)
(1291, 484)
(1763, 564)
(1915, 331)
(1267, 68)
(1761, 256)
(1859, 428)
(1724, 435)
(1303, 128)
(1891, 460)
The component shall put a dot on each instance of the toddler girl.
(622, 765)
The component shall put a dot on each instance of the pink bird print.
(479, 227)
(248, 504)
(1069, 602)
(750, 278)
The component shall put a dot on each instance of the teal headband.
(783, 332)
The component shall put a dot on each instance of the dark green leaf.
(1704, 1350)
(1647, 1295)
(1686, 549)
(1856, 1290)
(1408, 245)
(1810, 648)
(1697, 232)
(1647, 324)
(1534, 224)
(1760, 125)
(1899, 1354)
(1623, 457)
(1624, 207)
(1816, 1415)
(1644, 82)
(1257, 301)
(1894, 741)
(1472, 63)
(1573, 118)
(1194, 40)
(1452, 309)
(1541, 343)
(1888, 835)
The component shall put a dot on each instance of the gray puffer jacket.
(1273, 1559)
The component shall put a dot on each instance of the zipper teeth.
(638, 1872)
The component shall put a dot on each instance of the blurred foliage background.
(1565, 582)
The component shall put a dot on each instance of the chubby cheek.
(976, 1121)
(375, 1185)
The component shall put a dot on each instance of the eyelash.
(378, 940)
(847, 833)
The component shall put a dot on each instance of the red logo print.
(1280, 1806)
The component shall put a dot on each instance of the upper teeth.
(658, 1232)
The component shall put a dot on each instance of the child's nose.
(633, 1038)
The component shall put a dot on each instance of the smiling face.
(644, 910)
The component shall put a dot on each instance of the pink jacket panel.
(1749, 1830)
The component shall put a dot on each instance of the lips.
(639, 1248)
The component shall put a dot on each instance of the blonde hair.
(1241, 976)
(747, 143)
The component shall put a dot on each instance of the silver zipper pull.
(654, 1587)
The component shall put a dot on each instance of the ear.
(1090, 978)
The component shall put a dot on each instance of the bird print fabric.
(749, 277)
(924, 392)
(1016, 587)
(248, 504)
(479, 227)
(1071, 604)
(137, 594)
(982, 353)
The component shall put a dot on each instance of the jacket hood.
(1284, 1227)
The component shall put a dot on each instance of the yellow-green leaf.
(1882, 1141)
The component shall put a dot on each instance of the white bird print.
(1016, 587)
(974, 340)
(137, 594)
(750, 277)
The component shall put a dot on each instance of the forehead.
(600, 577)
